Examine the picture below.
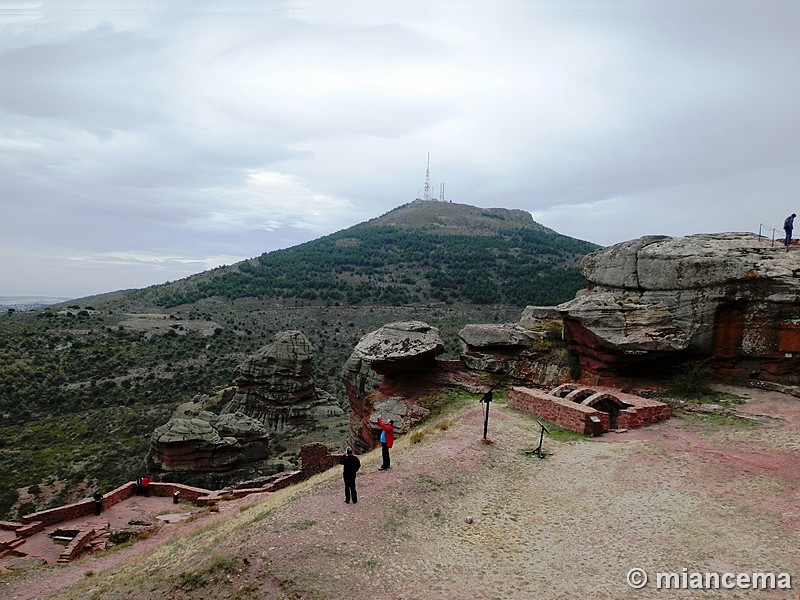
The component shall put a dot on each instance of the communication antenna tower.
(441, 193)
(427, 196)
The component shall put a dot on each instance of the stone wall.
(315, 458)
(563, 413)
(577, 416)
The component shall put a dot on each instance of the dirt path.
(456, 518)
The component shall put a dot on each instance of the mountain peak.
(452, 218)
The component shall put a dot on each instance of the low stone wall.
(62, 513)
(574, 416)
(563, 413)
(77, 545)
(315, 458)
(82, 508)
(185, 492)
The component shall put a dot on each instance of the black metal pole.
(487, 398)
(541, 439)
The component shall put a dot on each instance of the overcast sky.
(141, 142)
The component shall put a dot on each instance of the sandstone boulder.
(520, 352)
(730, 297)
(532, 315)
(275, 385)
(400, 347)
(207, 443)
(488, 336)
(387, 371)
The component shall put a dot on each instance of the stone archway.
(564, 389)
(580, 394)
(607, 403)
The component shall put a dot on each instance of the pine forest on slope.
(419, 252)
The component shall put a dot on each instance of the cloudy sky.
(141, 142)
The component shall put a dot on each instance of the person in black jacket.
(350, 466)
(788, 225)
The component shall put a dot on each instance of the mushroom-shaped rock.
(186, 430)
(289, 355)
(207, 443)
(400, 347)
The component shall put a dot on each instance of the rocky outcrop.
(275, 386)
(208, 443)
(534, 356)
(386, 374)
(400, 347)
(732, 298)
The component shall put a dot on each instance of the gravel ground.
(457, 518)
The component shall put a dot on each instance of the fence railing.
(766, 229)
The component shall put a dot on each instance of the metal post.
(538, 450)
(487, 398)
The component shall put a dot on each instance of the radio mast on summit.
(427, 194)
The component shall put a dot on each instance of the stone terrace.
(122, 510)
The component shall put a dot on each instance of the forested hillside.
(421, 252)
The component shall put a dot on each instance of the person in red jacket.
(146, 486)
(387, 440)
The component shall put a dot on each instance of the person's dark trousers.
(350, 489)
(788, 239)
(385, 453)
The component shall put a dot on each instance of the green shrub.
(690, 380)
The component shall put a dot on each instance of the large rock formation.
(531, 353)
(405, 355)
(731, 297)
(206, 444)
(276, 387)
(400, 347)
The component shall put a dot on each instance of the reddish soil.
(456, 518)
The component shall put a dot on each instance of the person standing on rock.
(350, 466)
(788, 225)
(387, 441)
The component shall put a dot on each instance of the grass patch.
(447, 401)
(416, 436)
(715, 421)
(211, 573)
(396, 519)
(427, 483)
(723, 399)
(302, 524)
(260, 516)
